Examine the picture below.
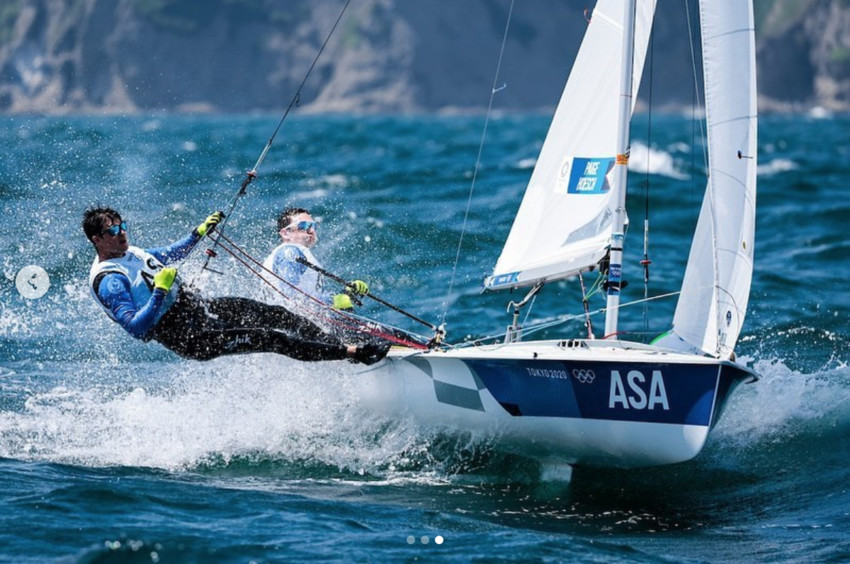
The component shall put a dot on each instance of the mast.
(621, 167)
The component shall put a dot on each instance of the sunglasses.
(115, 229)
(304, 226)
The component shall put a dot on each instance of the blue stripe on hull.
(647, 392)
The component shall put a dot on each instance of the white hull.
(601, 403)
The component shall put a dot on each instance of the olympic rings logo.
(584, 376)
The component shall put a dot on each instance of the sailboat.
(608, 401)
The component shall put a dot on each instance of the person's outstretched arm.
(176, 251)
(181, 249)
(114, 293)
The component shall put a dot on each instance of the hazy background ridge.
(121, 56)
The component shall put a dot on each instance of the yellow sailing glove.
(163, 279)
(209, 223)
(358, 287)
(342, 301)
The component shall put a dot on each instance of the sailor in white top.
(302, 286)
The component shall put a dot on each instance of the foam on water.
(261, 407)
(643, 160)
(784, 403)
(526, 163)
(776, 166)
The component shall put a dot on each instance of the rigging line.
(232, 250)
(646, 262)
(362, 328)
(587, 322)
(560, 320)
(528, 311)
(252, 259)
(596, 286)
(252, 174)
(297, 97)
(493, 92)
(696, 81)
(347, 284)
(354, 324)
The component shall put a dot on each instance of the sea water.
(114, 450)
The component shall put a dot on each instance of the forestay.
(716, 286)
(563, 225)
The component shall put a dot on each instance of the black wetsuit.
(205, 328)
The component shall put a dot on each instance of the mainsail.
(716, 286)
(563, 225)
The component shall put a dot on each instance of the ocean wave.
(316, 194)
(649, 160)
(776, 166)
(526, 163)
(332, 181)
(787, 423)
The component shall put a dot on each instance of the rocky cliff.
(74, 56)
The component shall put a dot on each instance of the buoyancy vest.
(139, 267)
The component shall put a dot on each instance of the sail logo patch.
(502, 279)
(584, 376)
(589, 175)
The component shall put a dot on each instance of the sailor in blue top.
(137, 290)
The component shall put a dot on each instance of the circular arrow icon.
(32, 282)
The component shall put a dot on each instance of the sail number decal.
(587, 175)
(635, 392)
